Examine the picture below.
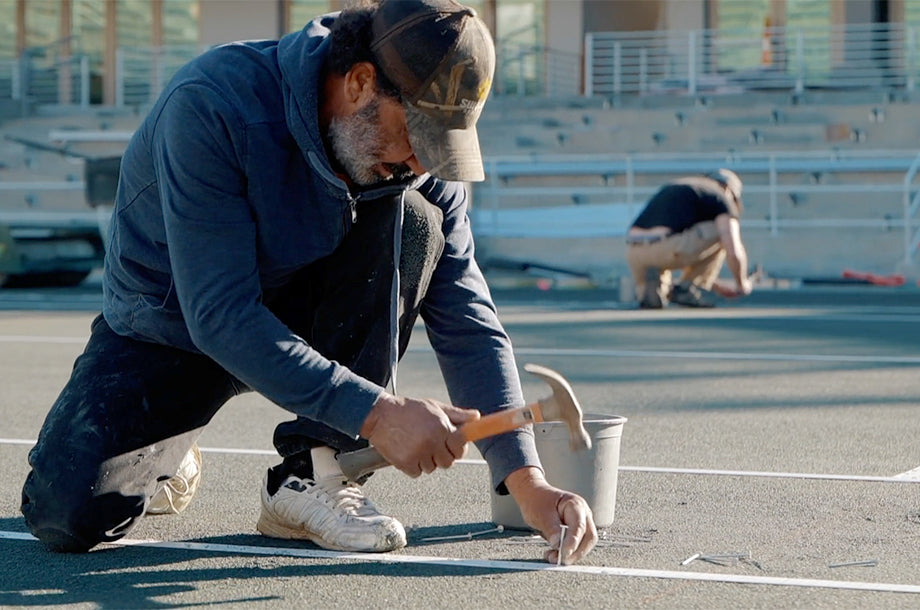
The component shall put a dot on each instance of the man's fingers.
(458, 416)
(444, 458)
(427, 465)
(413, 470)
(581, 533)
(457, 445)
(581, 544)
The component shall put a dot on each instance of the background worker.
(691, 224)
(284, 214)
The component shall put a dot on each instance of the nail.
(467, 536)
(561, 543)
(869, 563)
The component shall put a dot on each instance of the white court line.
(511, 566)
(627, 353)
(911, 476)
(899, 478)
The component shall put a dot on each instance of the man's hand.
(416, 436)
(546, 508)
(732, 290)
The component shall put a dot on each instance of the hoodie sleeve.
(473, 350)
(211, 236)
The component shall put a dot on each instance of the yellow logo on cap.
(484, 87)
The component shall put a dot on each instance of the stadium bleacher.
(569, 146)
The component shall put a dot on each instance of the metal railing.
(599, 195)
(536, 71)
(141, 73)
(10, 85)
(40, 77)
(777, 58)
(865, 56)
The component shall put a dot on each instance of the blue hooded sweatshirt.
(226, 191)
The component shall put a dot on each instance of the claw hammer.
(561, 405)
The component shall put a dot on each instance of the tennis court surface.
(770, 459)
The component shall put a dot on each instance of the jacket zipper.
(353, 205)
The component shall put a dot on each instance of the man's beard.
(358, 144)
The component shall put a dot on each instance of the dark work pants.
(132, 410)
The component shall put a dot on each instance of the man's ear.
(360, 83)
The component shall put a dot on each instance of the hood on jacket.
(301, 56)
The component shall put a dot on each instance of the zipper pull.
(353, 204)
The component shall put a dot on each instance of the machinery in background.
(60, 248)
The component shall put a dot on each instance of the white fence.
(142, 73)
(140, 76)
(722, 61)
(691, 62)
(598, 196)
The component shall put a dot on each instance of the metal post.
(522, 85)
(24, 78)
(799, 61)
(691, 63)
(119, 78)
(16, 81)
(911, 56)
(905, 201)
(617, 67)
(159, 73)
(643, 70)
(630, 181)
(589, 64)
(84, 81)
(774, 221)
(909, 210)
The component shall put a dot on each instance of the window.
(304, 11)
(741, 25)
(519, 45)
(7, 30)
(180, 23)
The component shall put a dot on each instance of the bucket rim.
(603, 418)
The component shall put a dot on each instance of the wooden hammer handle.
(502, 421)
(357, 465)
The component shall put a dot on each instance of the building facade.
(536, 39)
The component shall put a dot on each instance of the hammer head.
(562, 406)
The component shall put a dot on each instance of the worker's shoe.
(328, 510)
(176, 492)
(690, 295)
(652, 299)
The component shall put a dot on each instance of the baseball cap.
(728, 178)
(441, 57)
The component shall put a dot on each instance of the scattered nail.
(467, 536)
(866, 563)
(718, 561)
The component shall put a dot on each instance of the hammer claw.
(562, 406)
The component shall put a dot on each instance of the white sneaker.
(330, 511)
(176, 493)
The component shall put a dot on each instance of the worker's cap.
(440, 56)
(728, 178)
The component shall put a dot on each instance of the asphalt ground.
(775, 438)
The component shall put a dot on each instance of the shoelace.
(344, 495)
(176, 486)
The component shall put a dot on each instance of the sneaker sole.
(272, 529)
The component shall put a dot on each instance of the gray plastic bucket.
(592, 474)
